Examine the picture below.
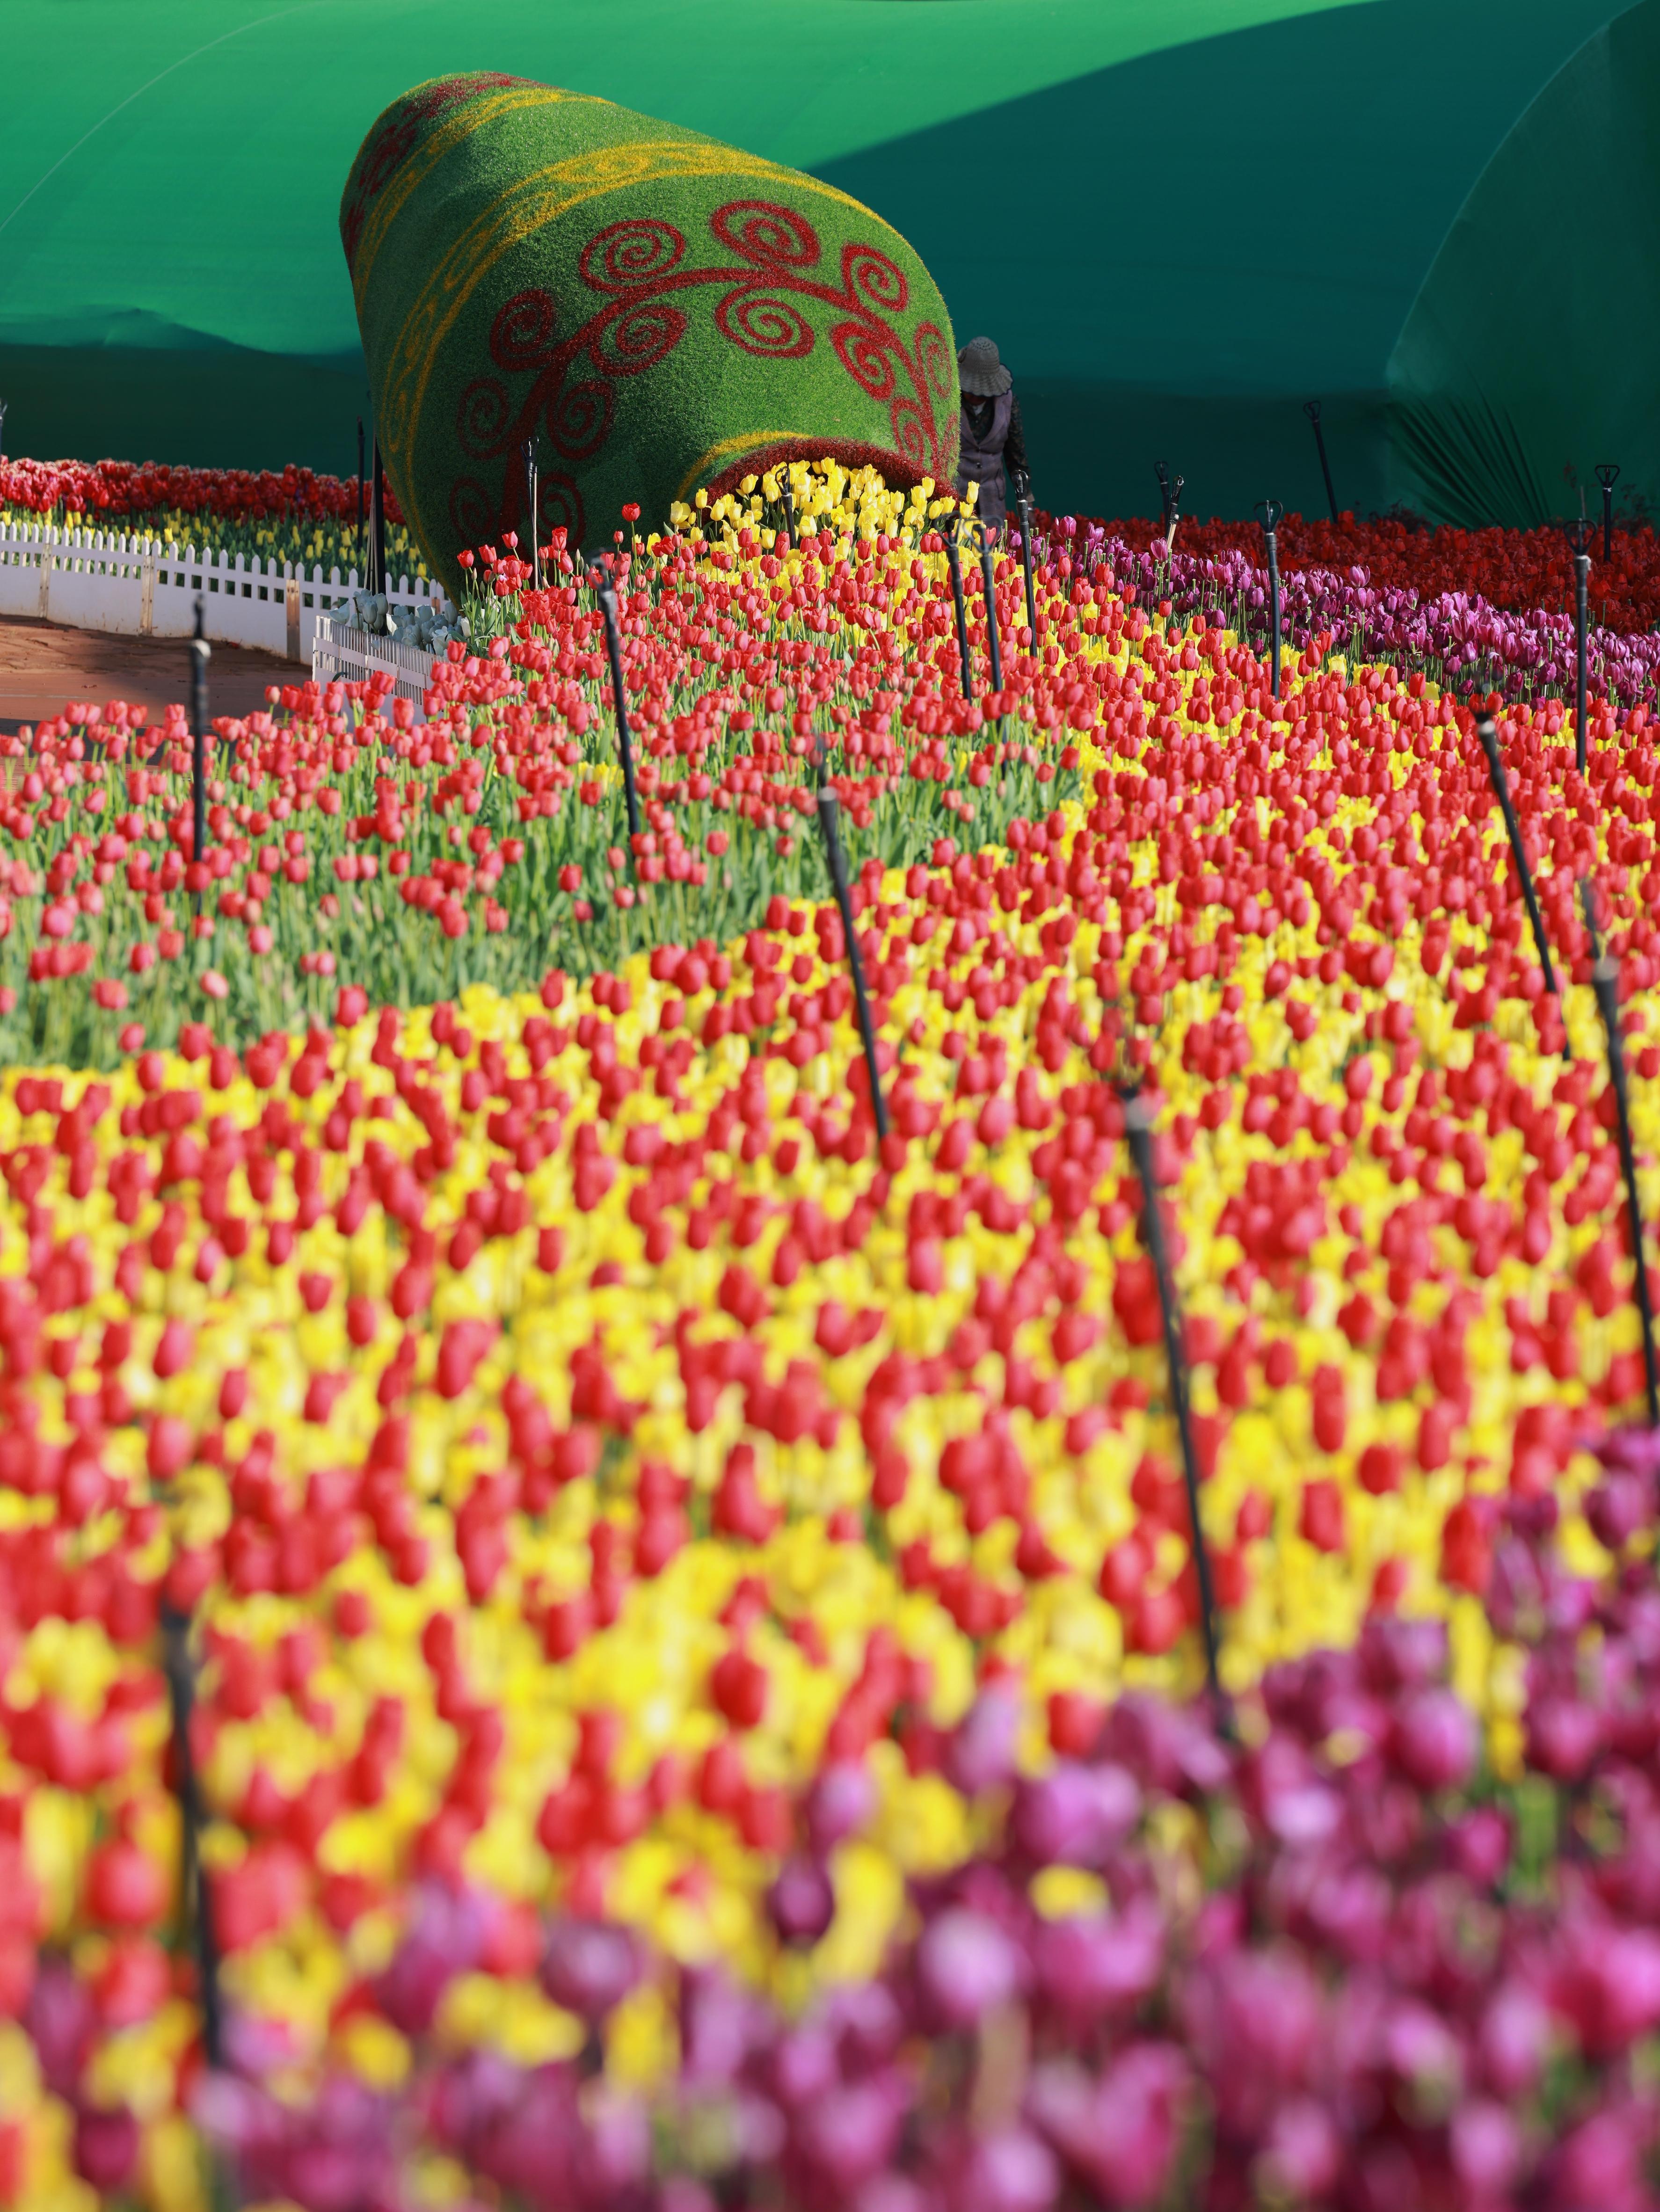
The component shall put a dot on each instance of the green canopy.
(1180, 219)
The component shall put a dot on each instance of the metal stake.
(532, 489)
(1022, 503)
(378, 519)
(956, 560)
(992, 641)
(360, 549)
(1171, 494)
(828, 813)
(1165, 500)
(1271, 510)
(198, 1903)
(1607, 475)
(1138, 1130)
(1486, 730)
(1605, 981)
(200, 653)
(1579, 539)
(604, 590)
(1311, 409)
(788, 499)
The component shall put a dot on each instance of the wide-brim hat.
(979, 371)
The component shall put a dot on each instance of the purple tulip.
(105, 2150)
(1433, 1740)
(1010, 2171)
(1481, 1845)
(445, 1937)
(1303, 2155)
(840, 1802)
(1563, 1738)
(801, 1902)
(1487, 2150)
(851, 2134)
(615, 2153)
(1090, 1968)
(60, 2019)
(1618, 1507)
(982, 1753)
(895, 2192)
(1514, 2039)
(1074, 1815)
(1608, 1986)
(965, 1966)
(1120, 2133)
(804, 2064)
(1402, 1654)
(590, 1966)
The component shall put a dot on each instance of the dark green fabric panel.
(1529, 354)
(211, 406)
(1176, 236)
(1174, 253)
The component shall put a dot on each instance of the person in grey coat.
(991, 436)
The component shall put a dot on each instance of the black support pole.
(993, 644)
(1605, 981)
(954, 556)
(1271, 510)
(1023, 505)
(532, 492)
(1486, 730)
(378, 521)
(200, 653)
(1579, 539)
(1607, 475)
(835, 860)
(1311, 409)
(604, 590)
(360, 550)
(198, 1903)
(1138, 1131)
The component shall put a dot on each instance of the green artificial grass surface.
(655, 310)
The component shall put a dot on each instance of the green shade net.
(1179, 219)
(1531, 352)
(647, 309)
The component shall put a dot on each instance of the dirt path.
(43, 666)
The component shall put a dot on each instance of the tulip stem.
(1138, 1131)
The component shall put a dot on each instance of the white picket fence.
(139, 587)
(342, 649)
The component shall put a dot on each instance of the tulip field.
(692, 1607)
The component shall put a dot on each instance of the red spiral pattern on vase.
(638, 269)
(759, 323)
(627, 254)
(388, 145)
(770, 236)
